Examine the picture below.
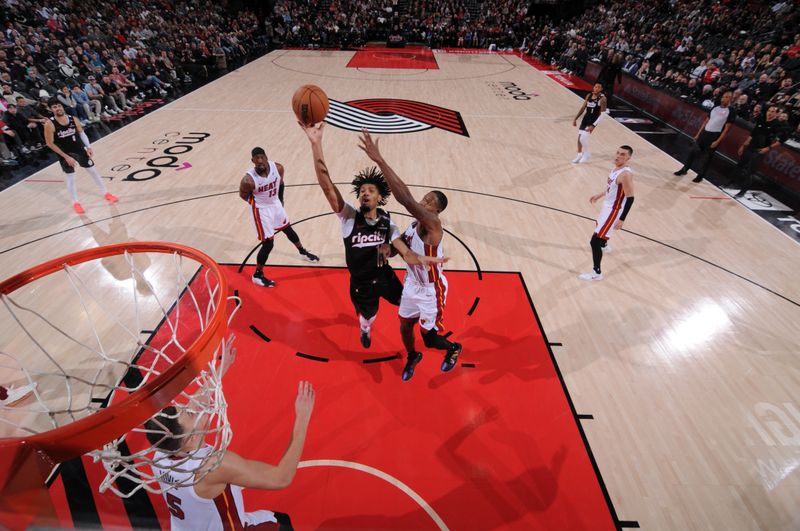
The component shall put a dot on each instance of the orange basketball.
(310, 104)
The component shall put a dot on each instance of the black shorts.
(587, 121)
(365, 294)
(83, 161)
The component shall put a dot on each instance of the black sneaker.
(366, 340)
(741, 193)
(680, 172)
(413, 359)
(260, 280)
(697, 179)
(306, 255)
(451, 358)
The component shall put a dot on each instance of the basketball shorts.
(366, 293)
(269, 220)
(587, 121)
(424, 302)
(83, 161)
(606, 220)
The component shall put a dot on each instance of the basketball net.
(110, 359)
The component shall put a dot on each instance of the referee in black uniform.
(710, 136)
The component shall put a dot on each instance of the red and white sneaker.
(78, 208)
(111, 198)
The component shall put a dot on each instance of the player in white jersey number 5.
(425, 287)
(214, 503)
(616, 205)
(262, 187)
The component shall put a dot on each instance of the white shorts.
(424, 302)
(606, 220)
(269, 220)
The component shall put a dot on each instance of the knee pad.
(597, 242)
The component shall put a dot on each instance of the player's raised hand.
(304, 403)
(313, 132)
(369, 147)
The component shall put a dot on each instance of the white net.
(78, 340)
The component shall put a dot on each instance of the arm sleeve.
(280, 192)
(394, 231)
(347, 216)
(626, 208)
(85, 139)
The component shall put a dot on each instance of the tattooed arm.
(332, 194)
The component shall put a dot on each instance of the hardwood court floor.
(683, 355)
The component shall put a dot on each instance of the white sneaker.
(577, 158)
(591, 275)
(26, 150)
(584, 157)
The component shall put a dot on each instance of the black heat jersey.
(361, 245)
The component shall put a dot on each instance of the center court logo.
(391, 116)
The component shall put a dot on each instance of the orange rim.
(91, 432)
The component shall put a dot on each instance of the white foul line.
(384, 476)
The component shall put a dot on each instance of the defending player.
(214, 502)
(366, 231)
(425, 289)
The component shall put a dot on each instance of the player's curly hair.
(374, 176)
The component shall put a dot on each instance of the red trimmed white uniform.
(425, 287)
(612, 205)
(190, 512)
(268, 213)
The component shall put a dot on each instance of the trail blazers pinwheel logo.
(389, 116)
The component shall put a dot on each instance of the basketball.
(310, 104)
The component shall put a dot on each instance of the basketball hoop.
(136, 327)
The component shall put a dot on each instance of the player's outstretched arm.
(400, 190)
(412, 258)
(314, 134)
(249, 473)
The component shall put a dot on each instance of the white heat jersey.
(614, 193)
(265, 193)
(612, 205)
(190, 512)
(421, 274)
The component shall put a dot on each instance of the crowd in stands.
(694, 50)
(434, 23)
(102, 60)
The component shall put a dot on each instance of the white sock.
(583, 138)
(71, 188)
(366, 324)
(97, 179)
